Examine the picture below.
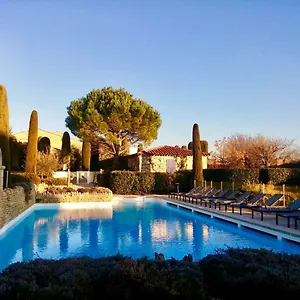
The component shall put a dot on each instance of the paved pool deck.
(268, 225)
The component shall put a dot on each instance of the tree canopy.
(109, 116)
(245, 151)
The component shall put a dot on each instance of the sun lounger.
(239, 200)
(221, 194)
(199, 197)
(175, 195)
(294, 206)
(202, 193)
(288, 216)
(216, 200)
(249, 204)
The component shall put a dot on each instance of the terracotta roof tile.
(170, 151)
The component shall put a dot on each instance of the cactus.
(86, 155)
(4, 128)
(197, 157)
(66, 149)
(32, 146)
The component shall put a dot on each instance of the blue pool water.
(131, 227)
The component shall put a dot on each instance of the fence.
(78, 177)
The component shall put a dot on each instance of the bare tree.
(245, 151)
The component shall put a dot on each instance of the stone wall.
(13, 202)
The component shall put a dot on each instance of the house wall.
(54, 137)
(159, 163)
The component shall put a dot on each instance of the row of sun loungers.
(214, 198)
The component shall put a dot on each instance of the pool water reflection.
(131, 227)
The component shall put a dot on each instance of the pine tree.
(197, 157)
(4, 128)
(86, 155)
(32, 145)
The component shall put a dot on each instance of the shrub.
(106, 278)
(164, 182)
(47, 164)
(251, 273)
(32, 145)
(55, 181)
(123, 182)
(24, 177)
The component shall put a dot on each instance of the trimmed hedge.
(230, 274)
(130, 182)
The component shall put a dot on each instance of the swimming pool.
(134, 227)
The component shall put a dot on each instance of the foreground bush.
(108, 278)
(252, 274)
(227, 275)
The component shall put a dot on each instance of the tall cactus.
(66, 149)
(4, 128)
(197, 157)
(32, 146)
(86, 155)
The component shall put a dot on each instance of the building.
(54, 137)
(164, 159)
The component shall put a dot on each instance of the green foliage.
(130, 182)
(86, 155)
(204, 146)
(125, 182)
(66, 148)
(230, 274)
(109, 115)
(76, 159)
(251, 273)
(182, 163)
(32, 145)
(164, 183)
(47, 164)
(24, 177)
(197, 157)
(17, 154)
(254, 176)
(44, 144)
(103, 278)
(126, 146)
(55, 181)
(4, 128)
(140, 147)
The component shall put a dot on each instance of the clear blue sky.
(231, 66)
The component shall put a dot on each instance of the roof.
(170, 151)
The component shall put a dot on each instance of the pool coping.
(279, 232)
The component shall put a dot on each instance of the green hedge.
(275, 175)
(232, 274)
(129, 182)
